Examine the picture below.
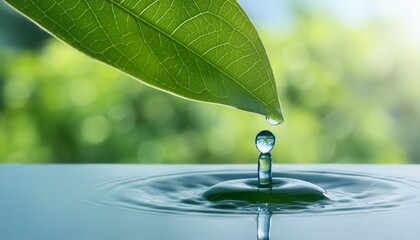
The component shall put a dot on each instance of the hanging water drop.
(265, 141)
(272, 121)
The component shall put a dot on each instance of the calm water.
(202, 202)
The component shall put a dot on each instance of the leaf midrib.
(191, 50)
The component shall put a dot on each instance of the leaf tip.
(275, 117)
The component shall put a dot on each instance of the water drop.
(272, 121)
(265, 141)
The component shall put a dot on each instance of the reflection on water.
(263, 222)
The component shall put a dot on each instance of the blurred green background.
(347, 75)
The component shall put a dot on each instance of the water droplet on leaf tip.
(272, 121)
(265, 141)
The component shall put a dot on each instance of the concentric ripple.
(292, 192)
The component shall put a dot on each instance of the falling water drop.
(265, 141)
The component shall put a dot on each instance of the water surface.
(136, 202)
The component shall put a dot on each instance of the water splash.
(214, 192)
(264, 142)
(239, 192)
(264, 170)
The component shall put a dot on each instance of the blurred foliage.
(348, 96)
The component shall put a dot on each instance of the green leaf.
(201, 50)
